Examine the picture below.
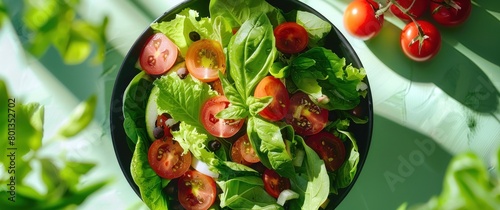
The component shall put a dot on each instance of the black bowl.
(335, 41)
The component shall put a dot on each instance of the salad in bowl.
(241, 105)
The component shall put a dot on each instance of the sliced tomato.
(166, 159)
(305, 116)
(271, 86)
(236, 155)
(329, 148)
(274, 184)
(223, 128)
(197, 191)
(291, 37)
(246, 149)
(204, 59)
(158, 55)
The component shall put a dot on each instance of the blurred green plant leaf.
(55, 22)
(72, 171)
(80, 118)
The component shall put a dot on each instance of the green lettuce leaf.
(150, 184)
(236, 12)
(183, 98)
(135, 100)
(345, 174)
(316, 27)
(320, 72)
(194, 141)
(184, 23)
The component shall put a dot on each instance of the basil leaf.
(268, 143)
(256, 105)
(246, 193)
(312, 185)
(251, 54)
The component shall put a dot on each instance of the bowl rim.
(121, 148)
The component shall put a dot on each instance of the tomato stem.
(383, 9)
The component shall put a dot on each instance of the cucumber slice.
(152, 112)
(152, 108)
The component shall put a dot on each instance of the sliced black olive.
(182, 73)
(194, 36)
(158, 132)
(214, 145)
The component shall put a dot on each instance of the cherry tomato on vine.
(197, 191)
(361, 20)
(450, 12)
(291, 37)
(420, 40)
(204, 59)
(166, 159)
(416, 8)
(274, 184)
(271, 86)
(158, 55)
(329, 148)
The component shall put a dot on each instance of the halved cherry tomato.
(204, 59)
(329, 148)
(158, 55)
(246, 149)
(450, 12)
(236, 155)
(197, 191)
(361, 20)
(305, 116)
(420, 45)
(291, 37)
(223, 128)
(274, 184)
(416, 8)
(166, 159)
(271, 86)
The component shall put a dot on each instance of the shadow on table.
(402, 166)
(453, 72)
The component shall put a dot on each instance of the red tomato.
(329, 148)
(158, 55)
(305, 116)
(236, 155)
(274, 184)
(223, 128)
(450, 12)
(416, 8)
(361, 20)
(246, 149)
(204, 59)
(277, 109)
(197, 191)
(291, 37)
(166, 159)
(420, 45)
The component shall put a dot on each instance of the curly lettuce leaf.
(183, 98)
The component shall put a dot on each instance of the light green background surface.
(424, 112)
